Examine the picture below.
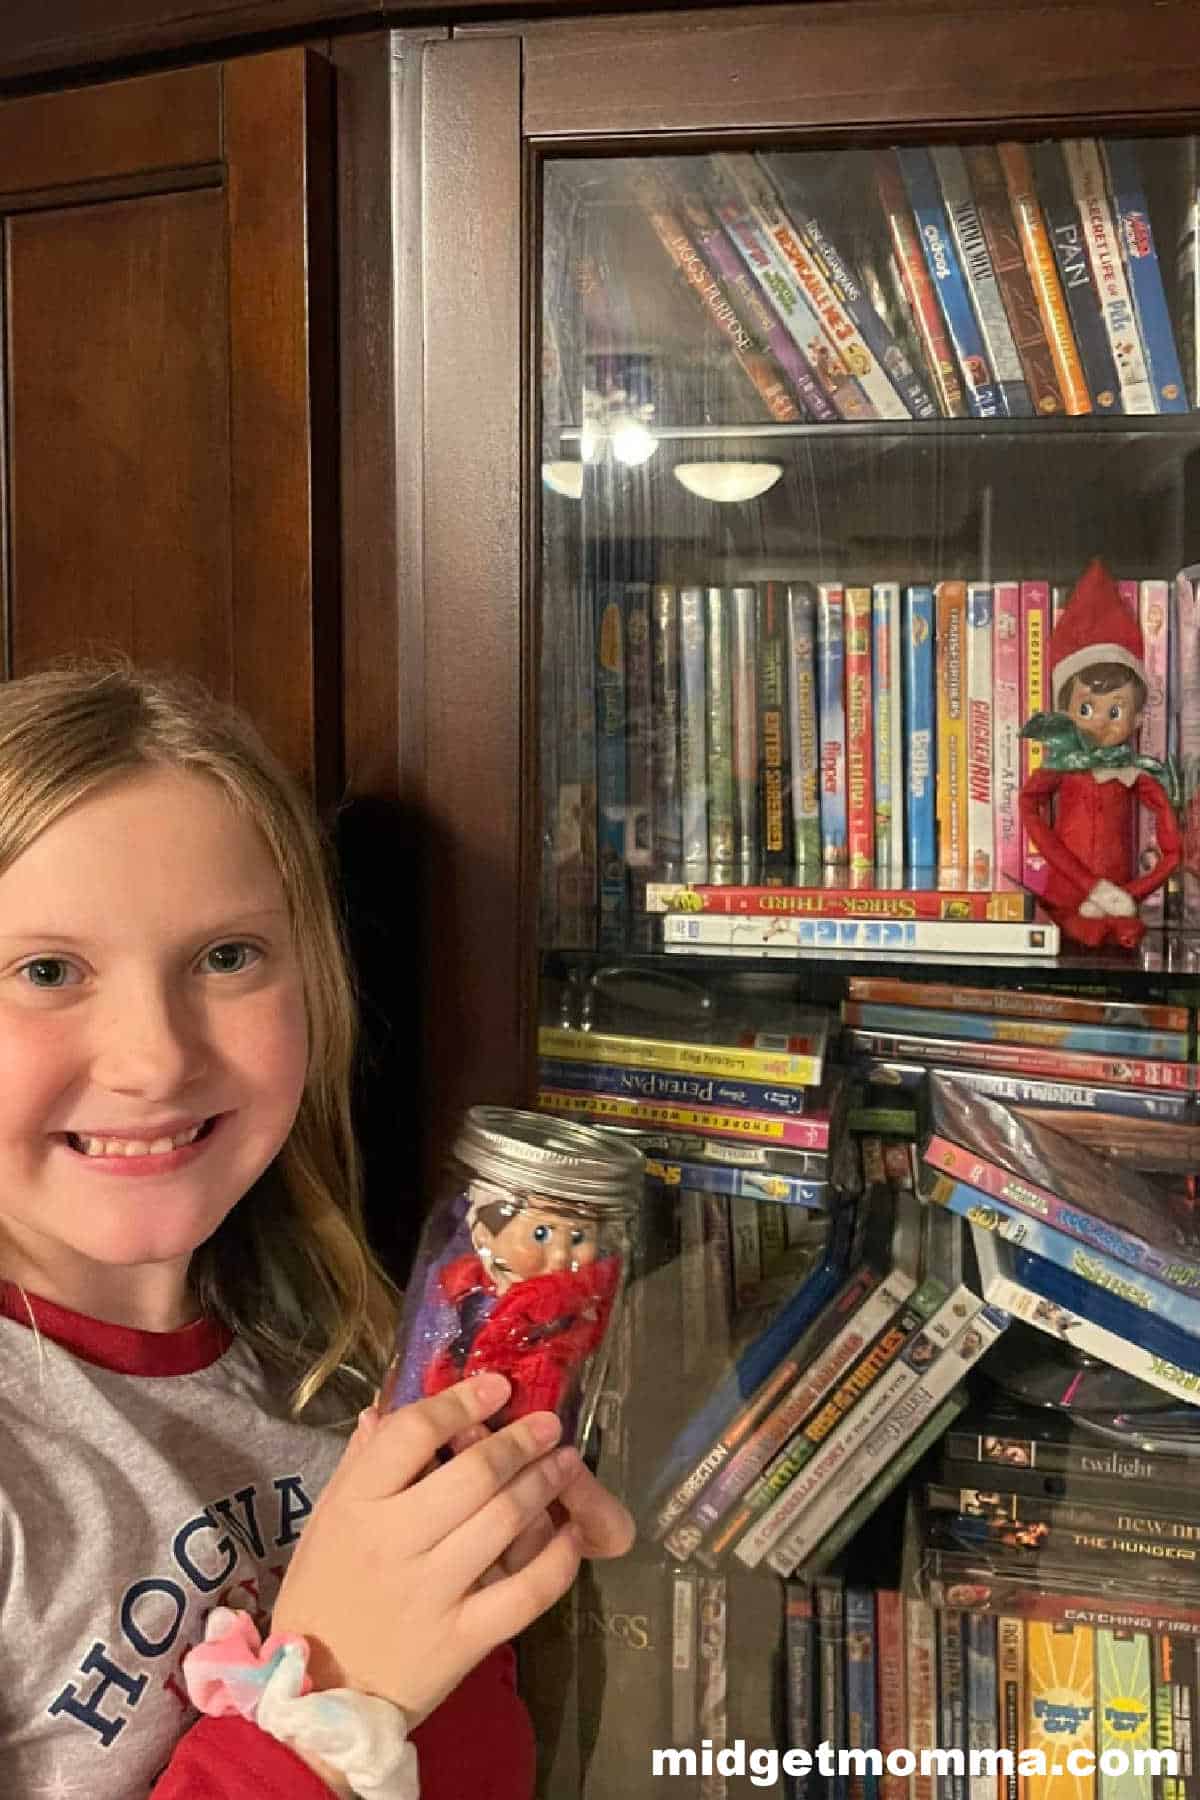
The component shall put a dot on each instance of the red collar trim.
(121, 1348)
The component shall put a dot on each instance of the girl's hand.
(606, 1526)
(386, 1581)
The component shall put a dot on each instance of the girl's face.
(153, 1042)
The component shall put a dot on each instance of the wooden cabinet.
(169, 443)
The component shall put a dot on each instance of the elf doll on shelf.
(1091, 776)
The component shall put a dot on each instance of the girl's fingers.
(408, 1440)
(488, 1531)
(606, 1526)
(501, 1609)
(524, 1548)
(463, 1486)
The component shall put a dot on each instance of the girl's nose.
(147, 1045)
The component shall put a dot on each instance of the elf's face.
(536, 1242)
(1107, 719)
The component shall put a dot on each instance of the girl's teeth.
(94, 1146)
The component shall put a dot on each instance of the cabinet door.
(169, 486)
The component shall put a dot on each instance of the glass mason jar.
(521, 1266)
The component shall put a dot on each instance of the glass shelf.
(1184, 425)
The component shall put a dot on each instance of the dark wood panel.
(41, 36)
(855, 64)
(279, 152)
(119, 444)
(123, 128)
(479, 974)
(38, 37)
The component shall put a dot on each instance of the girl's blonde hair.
(289, 1268)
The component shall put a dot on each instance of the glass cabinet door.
(868, 741)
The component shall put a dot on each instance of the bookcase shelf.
(1183, 426)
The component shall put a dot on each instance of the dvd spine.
(950, 904)
(799, 1683)
(744, 1420)
(812, 1454)
(782, 937)
(639, 759)
(1035, 698)
(789, 1414)
(743, 604)
(979, 706)
(972, 1330)
(710, 290)
(893, 1711)
(1131, 217)
(983, 396)
(749, 1184)
(879, 1386)
(887, 990)
(1043, 274)
(666, 817)
(1065, 229)
(1040, 1206)
(1006, 730)
(975, 258)
(921, 1681)
(1008, 261)
(693, 735)
(804, 740)
(889, 729)
(831, 1670)
(979, 1645)
(987, 1213)
(831, 659)
(920, 761)
(683, 1656)
(1060, 1697)
(748, 297)
(718, 706)
(919, 291)
(952, 1702)
(994, 1028)
(1010, 1685)
(860, 761)
(834, 318)
(611, 796)
(1086, 173)
(861, 1652)
(711, 1712)
(655, 1084)
(951, 632)
(1101, 1071)
(774, 767)
(882, 341)
(1152, 736)
(770, 268)
(805, 1133)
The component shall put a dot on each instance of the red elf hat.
(1096, 627)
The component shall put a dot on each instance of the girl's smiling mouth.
(157, 1148)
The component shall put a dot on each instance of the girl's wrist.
(334, 1781)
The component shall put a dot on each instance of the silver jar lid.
(534, 1153)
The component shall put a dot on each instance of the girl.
(189, 1316)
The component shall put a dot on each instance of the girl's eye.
(231, 959)
(48, 972)
(1086, 709)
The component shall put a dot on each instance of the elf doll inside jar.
(1081, 808)
(533, 1297)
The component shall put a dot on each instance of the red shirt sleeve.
(479, 1741)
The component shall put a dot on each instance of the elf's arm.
(1153, 795)
(1037, 792)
